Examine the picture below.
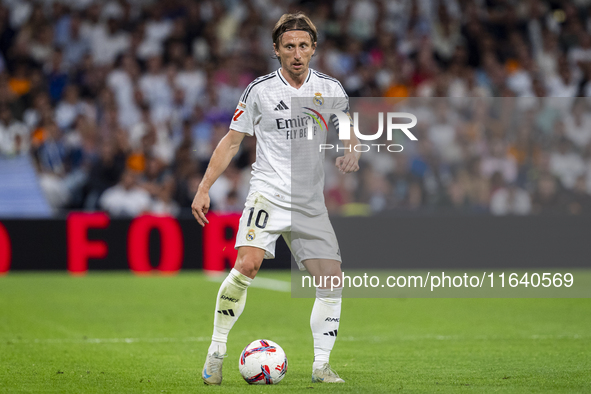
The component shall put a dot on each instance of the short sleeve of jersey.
(341, 102)
(244, 116)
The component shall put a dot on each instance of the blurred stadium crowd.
(120, 103)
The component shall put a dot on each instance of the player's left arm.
(349, 162)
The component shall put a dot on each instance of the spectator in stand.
(51, 158)
(548, 199)
(566, 164)
(41, 44)
(443, 131)
(104, 173)
(510, 200)
(379, 195)
(69, 108)
(56, 75)
(191, 80)
(163, 203)
(579, 200)
(499, 160)
(154, 177)
(33, 115)
(155, 88)
(232, 203)
(108, 42)
(75, 46)
(186, 189)
(580, 55)
(126, 198)
(14, 135)
(564, 84)
(577, 124)
(122, 82)
(158, 28)
(20, 81)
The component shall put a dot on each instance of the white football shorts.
(308, 237)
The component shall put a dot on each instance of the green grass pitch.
(118, 333)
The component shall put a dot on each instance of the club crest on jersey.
(250, 236)
(318, 99)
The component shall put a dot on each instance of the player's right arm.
(222, 155)
(242, 124)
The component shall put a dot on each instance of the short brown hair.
(297, 21)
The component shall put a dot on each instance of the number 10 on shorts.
(261, 219)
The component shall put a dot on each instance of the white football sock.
(228, 308)
(324, 322)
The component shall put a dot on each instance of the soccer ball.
(263, 362)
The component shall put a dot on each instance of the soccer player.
(271, 208)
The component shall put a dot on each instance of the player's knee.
(337, 275)
(248, 265)
(330, 269)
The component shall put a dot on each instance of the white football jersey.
(289, 166)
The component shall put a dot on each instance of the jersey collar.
(287, 83)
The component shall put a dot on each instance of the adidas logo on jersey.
(281, 106)
(331, 333)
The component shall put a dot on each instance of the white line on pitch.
(345, 338)
(109, 340)
(262, 283)
(457, 337)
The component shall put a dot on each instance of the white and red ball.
(262, 362)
